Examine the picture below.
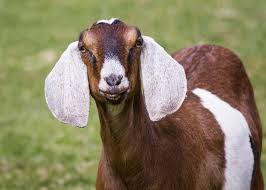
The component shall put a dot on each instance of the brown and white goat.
(183, 122)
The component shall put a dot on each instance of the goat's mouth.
(114, 96)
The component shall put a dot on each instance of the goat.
(187, 121)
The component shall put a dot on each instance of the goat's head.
(107, 62)
(111, 53)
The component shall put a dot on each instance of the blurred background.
(36, 151)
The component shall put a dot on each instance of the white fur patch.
(112, 66)
(238, 153)
(110, 21)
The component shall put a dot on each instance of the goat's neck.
(125, 132)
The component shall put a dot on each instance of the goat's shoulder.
(192, 121)
(192, 132)
(202, 112)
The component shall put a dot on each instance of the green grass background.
(36, 151)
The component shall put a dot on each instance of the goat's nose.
(113, 80)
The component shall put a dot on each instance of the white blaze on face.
(238, 152)
(110, 21)
(112, 66)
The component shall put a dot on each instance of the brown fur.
(184, 150)
(219, 70)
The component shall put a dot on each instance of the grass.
(37, 152)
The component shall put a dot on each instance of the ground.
(36, 151)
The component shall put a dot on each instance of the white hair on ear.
(164, 80)
(67, 88)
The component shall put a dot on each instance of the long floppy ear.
(67, 88)
(164, 80)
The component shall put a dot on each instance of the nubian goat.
(187, 121)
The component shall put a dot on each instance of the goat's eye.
(82, 49)
(139, 42)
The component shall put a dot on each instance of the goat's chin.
(114, 102)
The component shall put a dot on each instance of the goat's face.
(111, 53)
(107, 63)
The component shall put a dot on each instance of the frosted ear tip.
(78, 125)
(81, 127)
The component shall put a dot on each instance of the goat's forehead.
(110, 35)
(108, 26)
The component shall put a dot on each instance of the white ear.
(164, 80)
(67, 88)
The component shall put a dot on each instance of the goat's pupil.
(82, 49)
(138, 43)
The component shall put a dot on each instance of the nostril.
(120, 77)
(113, 80)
